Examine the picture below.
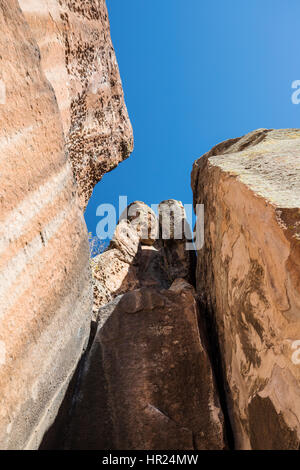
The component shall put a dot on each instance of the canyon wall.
(248, 280)
(174, 352)
(78, 59)
(147, 381)
(237, 337)
(58, 102)
(45, 298)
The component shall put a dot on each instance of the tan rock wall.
(79, 61)
(248, 277)
(45, 289)
(62, 113)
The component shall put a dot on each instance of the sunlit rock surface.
(62, 114)
(45, 284)
(79, 61)
(248, 279)
(138, 256)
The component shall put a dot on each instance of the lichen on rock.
(248, 279)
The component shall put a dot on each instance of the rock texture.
(61, 100)
(176, 241)
(113, 271)
(147, 381)
(165, 366)
(79, 61)
(45, 299)
(140, 255)
(248, 279)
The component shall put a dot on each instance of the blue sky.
(196, 73)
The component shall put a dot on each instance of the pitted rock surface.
(79, 61)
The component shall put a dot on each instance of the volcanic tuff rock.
(147, 381)
(138, 256)
(79, 61)
(45, 299)
(143, 220)
(176, 241)
(248, 279)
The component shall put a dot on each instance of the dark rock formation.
(147, 381)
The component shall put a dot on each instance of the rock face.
(248, 279)
(113, 271)
(45, 299)
(175, 239)
(79, 61)
(165, 366)
(62, 113)
(147, 381)
(139, 257)
(143, 220)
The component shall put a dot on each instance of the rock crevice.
(176, 351)
(147, 381)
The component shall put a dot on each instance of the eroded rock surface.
(61, 99)
(45, 283)
(138, 256)
(248, 279)
(147, 381)
(114, 271)
(79, 61)
(175, 237)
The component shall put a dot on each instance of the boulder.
(143, 220)
(176, 241)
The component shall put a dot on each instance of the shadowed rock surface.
(147, 381)
(248, 280)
